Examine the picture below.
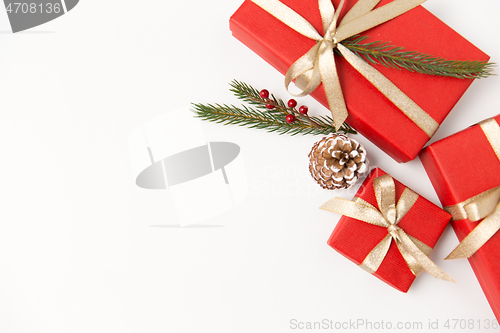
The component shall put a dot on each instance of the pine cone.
(337, 162)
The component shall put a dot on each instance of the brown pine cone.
(337, 162)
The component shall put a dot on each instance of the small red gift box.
(370, 112)
(460, 167)
(355, 239)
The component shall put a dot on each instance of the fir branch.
(260, 119)
(395, 57)
(245, 92)
(250, 95)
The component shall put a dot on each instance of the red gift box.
(370, 112)
(460, 167)
(354, 239)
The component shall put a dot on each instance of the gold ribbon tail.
(331, 84)
(409, 249)
(482, 233)
(374, 259)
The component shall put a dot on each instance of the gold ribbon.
(413, 251)
(318, 64)
(485, 206)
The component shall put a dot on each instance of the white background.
(82, 249)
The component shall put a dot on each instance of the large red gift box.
(354, 239)
(370, 112)
(460, 167)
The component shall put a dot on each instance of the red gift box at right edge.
(460, 167)
(370, 112)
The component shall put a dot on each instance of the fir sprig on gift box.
(391, 56)
(267, 112)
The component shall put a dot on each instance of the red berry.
(269, 106)
(303, 109)
(264, 93)
(290, 118)
(292, 103)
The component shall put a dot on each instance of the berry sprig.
(291, 113)
(270, 113)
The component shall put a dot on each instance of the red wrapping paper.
(370, 113)
(460, 167)
(354, 239)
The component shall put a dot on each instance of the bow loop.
(478, 237)
(385, 192)
(483, 206)
(305, 68)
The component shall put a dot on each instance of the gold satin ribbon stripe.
(484, 206)
(318, 64)
(492, 131)
(389, 214)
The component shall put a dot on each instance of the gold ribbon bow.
(485, 206)
(318, 64)
(413, 251)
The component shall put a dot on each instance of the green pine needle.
(251, 95)
(395, 57)
(260, 117)
(255, 118)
